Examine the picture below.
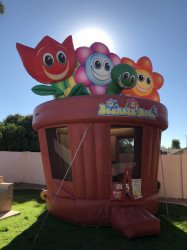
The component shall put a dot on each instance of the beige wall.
(27, 167)
(22, 167)
(173, 171)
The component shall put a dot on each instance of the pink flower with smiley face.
(96, 63)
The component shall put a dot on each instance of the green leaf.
(46, 90)
(63, 85)
(58, 91)
(77, 90)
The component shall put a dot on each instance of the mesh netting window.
(59, 152)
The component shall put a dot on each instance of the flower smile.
(57, 77)
(142, 90)
(100, 77)
(122, 85)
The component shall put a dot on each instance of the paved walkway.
(9, 214)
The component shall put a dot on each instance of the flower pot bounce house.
(100, 136)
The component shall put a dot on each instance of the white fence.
(173, 172)
(27, 167)
(22, 167)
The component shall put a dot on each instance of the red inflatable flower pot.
(99, 153)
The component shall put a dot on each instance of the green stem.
(63, 85)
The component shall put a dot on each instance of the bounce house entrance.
(126, 144)
(132, 221)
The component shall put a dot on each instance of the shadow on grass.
(60, 235)
(178, 213)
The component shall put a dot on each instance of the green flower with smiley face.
(124, 77)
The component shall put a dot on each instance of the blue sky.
(157, 29)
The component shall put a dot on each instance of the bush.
(16, 134)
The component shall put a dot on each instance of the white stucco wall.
(22, 167)
(173, 172)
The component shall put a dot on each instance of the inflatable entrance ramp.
(135, 222)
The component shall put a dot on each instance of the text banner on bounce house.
(130, 109)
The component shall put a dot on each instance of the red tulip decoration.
(51, 62)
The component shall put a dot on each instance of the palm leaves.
(2, 8)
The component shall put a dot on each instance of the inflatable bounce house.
(99, 136)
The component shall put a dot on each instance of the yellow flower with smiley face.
(144, 85)
(148, 82)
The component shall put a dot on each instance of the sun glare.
(86, 37)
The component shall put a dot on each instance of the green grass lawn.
(18, 233)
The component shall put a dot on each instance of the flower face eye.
(97, 64)
(126, 75)
(107, 66)
(141, 77)
(61, 57)
(132, 79)
(48, 59)
(148, 80)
